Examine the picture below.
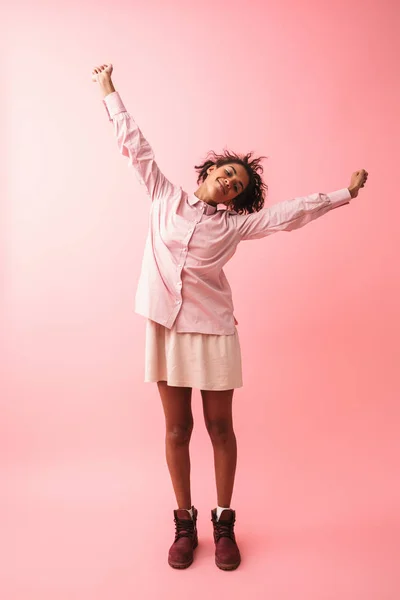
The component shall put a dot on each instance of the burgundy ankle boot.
(227, 555)
(180, 554)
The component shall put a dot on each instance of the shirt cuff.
(340, 197)
(113, 104)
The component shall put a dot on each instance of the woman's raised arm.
(131, 141)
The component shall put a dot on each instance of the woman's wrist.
(106, 86)
(353, 191)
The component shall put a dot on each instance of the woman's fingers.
(106, 68)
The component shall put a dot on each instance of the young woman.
(191, 335)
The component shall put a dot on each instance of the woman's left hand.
(358, 180)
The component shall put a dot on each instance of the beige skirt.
(199, 360)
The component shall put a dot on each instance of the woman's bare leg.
(217, 409)
(177, 404)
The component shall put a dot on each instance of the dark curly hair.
(252, 198)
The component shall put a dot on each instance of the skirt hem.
(194, 385)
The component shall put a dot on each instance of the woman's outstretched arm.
(131, 141)
(297, 212)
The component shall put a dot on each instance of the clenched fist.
(101, 73)
(358, 180)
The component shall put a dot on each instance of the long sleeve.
(132, 144)
(289, 215)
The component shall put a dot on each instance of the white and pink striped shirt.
(182, 281)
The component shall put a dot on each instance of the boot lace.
(183, 528)
(223, 529)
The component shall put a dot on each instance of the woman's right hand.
(102, 73)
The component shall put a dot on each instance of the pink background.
(86, 502)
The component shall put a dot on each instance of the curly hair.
(252, 198)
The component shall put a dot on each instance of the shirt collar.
(210, 210)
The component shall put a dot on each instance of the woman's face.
(226, 182)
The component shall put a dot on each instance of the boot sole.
(227, 567)
(182, 565)
(179, 566)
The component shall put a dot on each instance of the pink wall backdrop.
(86, 500)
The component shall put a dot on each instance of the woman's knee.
(179, 434)
(220, 430)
